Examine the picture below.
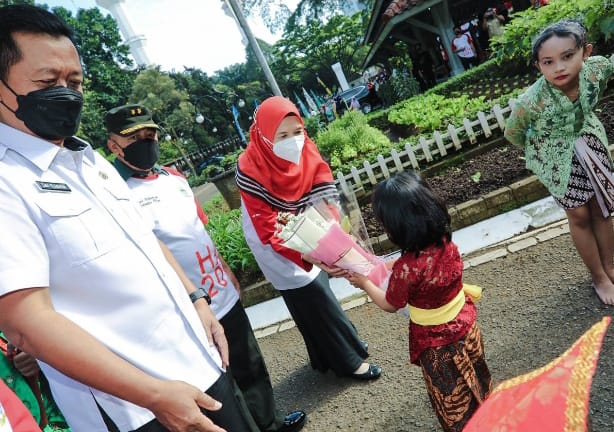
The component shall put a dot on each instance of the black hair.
(27, 19)
(412, 215)
(564, 28)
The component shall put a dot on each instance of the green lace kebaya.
(546, 123)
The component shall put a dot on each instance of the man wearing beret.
(85, 286)
(179, 222)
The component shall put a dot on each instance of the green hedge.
(226, 231)
(515, 43)
(351, 138)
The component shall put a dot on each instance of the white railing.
(425, 151)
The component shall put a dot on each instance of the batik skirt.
(457, 379)
(591, 175)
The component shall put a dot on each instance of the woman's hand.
(332, 271)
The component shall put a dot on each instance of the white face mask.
(290, 149)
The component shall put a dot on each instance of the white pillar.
(443, 21)
(343, 82)
(136, 42)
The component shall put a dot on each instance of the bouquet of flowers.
(322, 231)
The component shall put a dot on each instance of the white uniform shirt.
(169, 201)
(278, 270)
(104, 269)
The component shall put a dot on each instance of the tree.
(171, 108)
(107, 67)
(276, 15)
(197, 84)
(307, 51)
(16, 2)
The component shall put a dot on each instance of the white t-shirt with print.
(168, 200)
(462, 45)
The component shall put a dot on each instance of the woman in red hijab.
(280, 171)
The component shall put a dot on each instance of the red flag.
(553, 398)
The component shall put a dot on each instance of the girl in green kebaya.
(566, 145)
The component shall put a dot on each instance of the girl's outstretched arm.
(377, 294)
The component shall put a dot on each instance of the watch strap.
(198, 294)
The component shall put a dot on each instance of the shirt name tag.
(52, 187)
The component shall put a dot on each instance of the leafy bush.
(229, 162)
(226, 231)
(195, 181)
(491, 70)
(433, 112)
(515, 43)
(168, 152)
(349, 138)
(401, 85)
(215, 205)
(314, 124)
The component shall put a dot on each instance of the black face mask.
(142, 154)
(51, 113)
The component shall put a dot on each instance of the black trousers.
(249, 370)
(330, 337)
(468, 62)
(233, 416)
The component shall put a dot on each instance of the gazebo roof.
(385, 15)
(397, 6)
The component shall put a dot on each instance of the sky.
(191, 33)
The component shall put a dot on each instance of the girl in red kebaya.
(444, 339)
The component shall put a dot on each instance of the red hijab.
(280, 178)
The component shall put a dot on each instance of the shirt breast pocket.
(76, 230)
(129, 214)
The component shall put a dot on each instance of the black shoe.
(372, 373)
(294, 421)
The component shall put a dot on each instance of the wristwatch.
(198, 294)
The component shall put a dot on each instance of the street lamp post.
(168, 138)
(200, 119)
(221, 100)
(238, 14)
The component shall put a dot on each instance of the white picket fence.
(420, 155)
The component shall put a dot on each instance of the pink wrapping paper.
(339, 249)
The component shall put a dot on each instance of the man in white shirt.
(179, 222)
(85, 286)
(462, 45)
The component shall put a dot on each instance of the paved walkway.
(205, 192)
(485, 241)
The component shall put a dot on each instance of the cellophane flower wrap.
(331, 229)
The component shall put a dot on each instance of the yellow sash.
(447, 312)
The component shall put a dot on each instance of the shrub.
(229, 162)
(226, 231)
(349, 138)
(401, 85)
(515, 42)
(432, 112)
(314, 124)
